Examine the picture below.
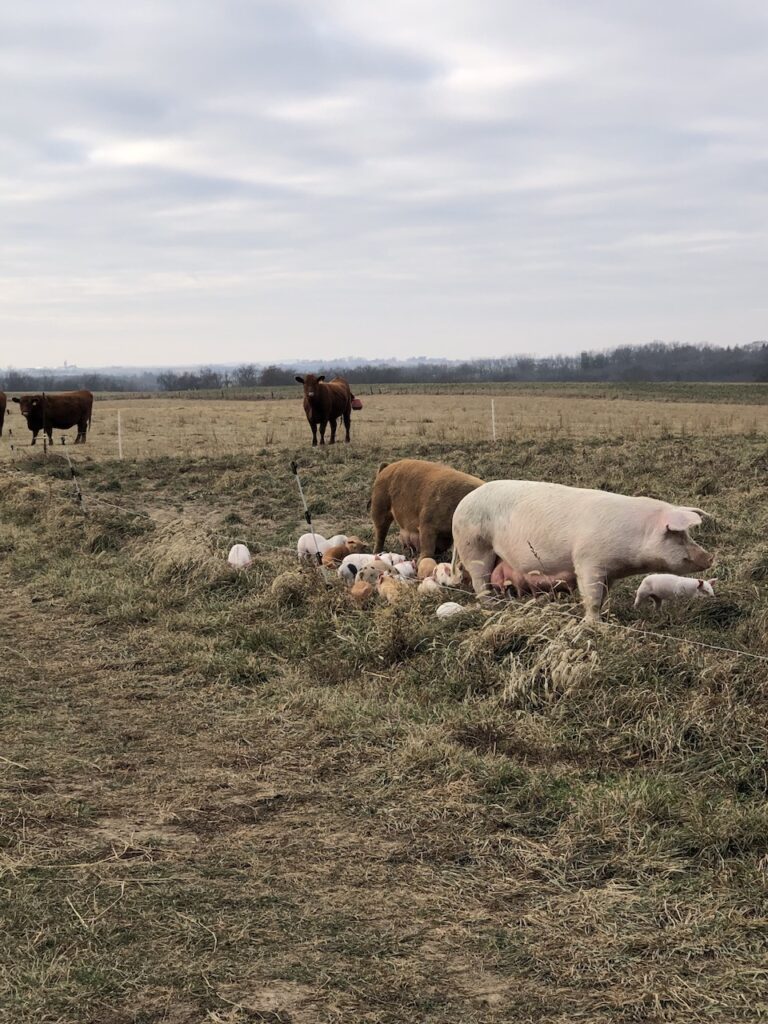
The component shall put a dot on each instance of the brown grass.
(160, 427)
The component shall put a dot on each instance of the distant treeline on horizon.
(632, 363)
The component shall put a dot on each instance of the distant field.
(159, 426)
(664, 391)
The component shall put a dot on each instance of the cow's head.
(29, 404)
(310, 382)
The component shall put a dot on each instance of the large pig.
(552, 528)
(421, 497)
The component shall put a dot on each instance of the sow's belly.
(534, 546)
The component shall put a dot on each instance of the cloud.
(255, 180)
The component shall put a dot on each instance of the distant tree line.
(655, 362)
(43, 380)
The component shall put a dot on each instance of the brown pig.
(421, 497)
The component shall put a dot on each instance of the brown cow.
(422, 497)
(324, 403)
(62, 411)
(3, 402)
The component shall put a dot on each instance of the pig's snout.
(703, 559)
(699, 558)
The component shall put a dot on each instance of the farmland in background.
(234, 798)
(157, 426)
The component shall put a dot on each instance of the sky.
(187, 182)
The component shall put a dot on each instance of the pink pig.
(598, 535)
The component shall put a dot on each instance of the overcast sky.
(187, 181)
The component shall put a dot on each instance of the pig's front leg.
(593, 587)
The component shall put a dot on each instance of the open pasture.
(230, 803)
(156, 427)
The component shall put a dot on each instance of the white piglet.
(239, 556)
(405, 569)
(352, 564)
(338, 538)
(391, 558)
(664, 586)
(309, 544)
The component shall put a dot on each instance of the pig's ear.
(678, 520)
(712, 582)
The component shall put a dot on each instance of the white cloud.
(252, 179)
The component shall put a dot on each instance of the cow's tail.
(382, 465)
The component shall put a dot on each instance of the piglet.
(335, 555)
(426, 567)
(391, 558)
(309, 545)
(390, 588)
(664, 586)
(445, 576)
(361, 592)
(428, 586)
(352, 564)
(239, 556)
(531, 584)
(405, 569)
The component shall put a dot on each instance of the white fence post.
(493, 418)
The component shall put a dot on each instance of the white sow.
(600, 536)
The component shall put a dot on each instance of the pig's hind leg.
(479, 559)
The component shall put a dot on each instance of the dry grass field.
(230, 802)
(159, 426)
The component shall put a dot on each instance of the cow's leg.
(323, 425)
(347, 420)
(314, 432)
(34, 435)
(334, 423)
(593, 587)
(479, 559)
(49, 432)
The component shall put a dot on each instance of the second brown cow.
(421, 498)
(3, 402)
(326, 402)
